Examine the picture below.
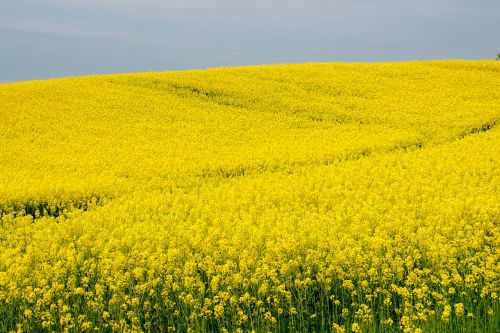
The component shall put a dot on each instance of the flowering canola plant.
(325, 197)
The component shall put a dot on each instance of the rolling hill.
(359, 197)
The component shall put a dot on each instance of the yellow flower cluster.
(316, 197)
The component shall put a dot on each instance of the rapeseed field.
(325, 197)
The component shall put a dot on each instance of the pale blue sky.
(52, 38)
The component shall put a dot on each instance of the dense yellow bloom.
(313, 197)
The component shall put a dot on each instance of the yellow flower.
(446, 313)
(347, 284)
(459, 309)
(28, 313)
(336, 328)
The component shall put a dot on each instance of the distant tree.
(498, 56)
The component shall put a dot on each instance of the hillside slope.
(269, 198)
